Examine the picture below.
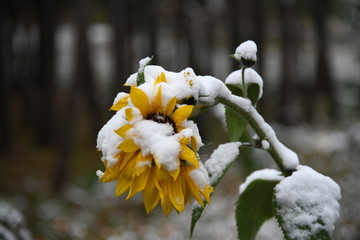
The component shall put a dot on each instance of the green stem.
(277, 150)
(243, 82)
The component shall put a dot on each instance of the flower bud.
(246, 53)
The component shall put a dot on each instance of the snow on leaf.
(306, 204)
(220, 160)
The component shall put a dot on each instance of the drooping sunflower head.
(150, 145)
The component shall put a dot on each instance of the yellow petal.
(206, 193)
(191, 185)
(142, 163)
(125, 178)
(128, 145)
(161, 78)
(122, 130)
(184, 189)
(120, 104)
(167, 207)
(175, 173)
(140, 100)
(158, 102)
(125, 158)
(162, 174)
(176, 195)
(128, 171)
(170, 106)
(129, 113)
(162, 177)
(189, 155)
(182, 113)
(185, 141)
(122, 186)
(151, 194)
(194, 144)
(138, 183)
(157, 163)
(110, 174)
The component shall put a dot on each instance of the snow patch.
(265, 144)
(250, 75)
(221, 158)
(264, 174)
(246, 50)
(200, 177)
(99, 173)
(108, 140)
(158, 140)
(304, 197)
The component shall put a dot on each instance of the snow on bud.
(246, 53)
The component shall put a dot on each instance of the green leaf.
(254, 207)
(235, 124)
(235, 89)
(306, 205)
(215, 177)
(253, 91)
(195, 216)
(140, 78)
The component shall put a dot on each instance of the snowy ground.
(94, 213)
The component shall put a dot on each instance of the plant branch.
(285, 158)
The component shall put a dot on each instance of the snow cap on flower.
(246, 53)
(182, 84)
(151, 146)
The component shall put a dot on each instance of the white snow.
(246, 50)
(119, 96)
(264, 174)
(213, 88)
(143, 62)
(265, 144)
(99, 173)
(250, 75)
(304, 197)
(200, 177)
(108, 140)
(289, 158)
(158, 140)
(221, 158)
(179, 84)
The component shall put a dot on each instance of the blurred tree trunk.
(322, 94)
(121, 19)
(209, 41)
(184, 33)
(234, 13)
(289, 59)
(152, 29)
(47, 13)
(6, 129)
(83, 85)
(259, 16)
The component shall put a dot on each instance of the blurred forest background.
(62, 63)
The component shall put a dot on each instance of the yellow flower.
(158, 152)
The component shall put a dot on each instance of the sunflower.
(157, 152)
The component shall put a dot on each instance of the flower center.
(161, 118)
